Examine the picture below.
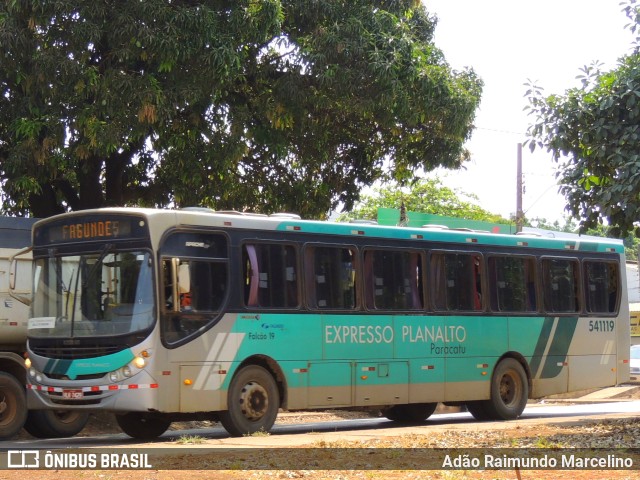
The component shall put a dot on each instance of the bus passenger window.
(331, 273)
(512, 284)
(270, 275)
(559, 279)
(393, 280)
(456, 280)
(601, 286)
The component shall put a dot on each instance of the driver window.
(193, 284)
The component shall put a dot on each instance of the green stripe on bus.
(541, 345)
(559, 346)
(89, 366)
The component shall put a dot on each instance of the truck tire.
(13, 406)
(55, 423)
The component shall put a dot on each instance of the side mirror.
(14, 271)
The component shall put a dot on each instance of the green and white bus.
(173, 315)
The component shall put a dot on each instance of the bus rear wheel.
(509, 393)
(412, 412)
(55, 423)
(142, 426)
(252, 402)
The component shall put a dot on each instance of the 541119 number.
(601, 325)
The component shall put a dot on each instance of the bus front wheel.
(509, 393)
(142, 426)
(413, 412)
(252, 402)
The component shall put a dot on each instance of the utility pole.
(519, 213)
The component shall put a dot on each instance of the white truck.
(15, 235)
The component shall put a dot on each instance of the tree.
(424, 196)
(593, 133)
(260, 104)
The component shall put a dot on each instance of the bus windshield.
(99, 294)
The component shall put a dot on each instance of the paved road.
(285, 435)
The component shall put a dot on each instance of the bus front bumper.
(139, 393)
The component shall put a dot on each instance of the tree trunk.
(114, 180)
(45, 204)
(90, 189)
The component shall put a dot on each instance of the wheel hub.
(508, 389)
(254, 400)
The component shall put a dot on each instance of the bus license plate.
(73, 394)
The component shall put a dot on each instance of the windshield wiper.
(85, 279)
(94, 268)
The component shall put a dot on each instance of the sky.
(508, 43)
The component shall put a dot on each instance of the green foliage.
(264, 105)
(592, 132)
(424, 196)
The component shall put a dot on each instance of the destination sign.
(90, 228)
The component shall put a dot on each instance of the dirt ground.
(346, 457)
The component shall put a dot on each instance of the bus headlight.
(139, 362)
(126, 371)
(113, 377)
(27, 363)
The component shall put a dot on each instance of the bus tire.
(410, 413)
(13, 410)
(509, 391)
(55, 423)
(253, 402)
(141, 425)
(477, 409)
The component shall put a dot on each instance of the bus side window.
(561, 287)
(601, 286)
(270, 275)
(331, 275)
(176, 284)
(208, 286)
(194, 291)
(167, 285)
(456, 281)
(512, 284)
(393, 280)
(184, 286)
